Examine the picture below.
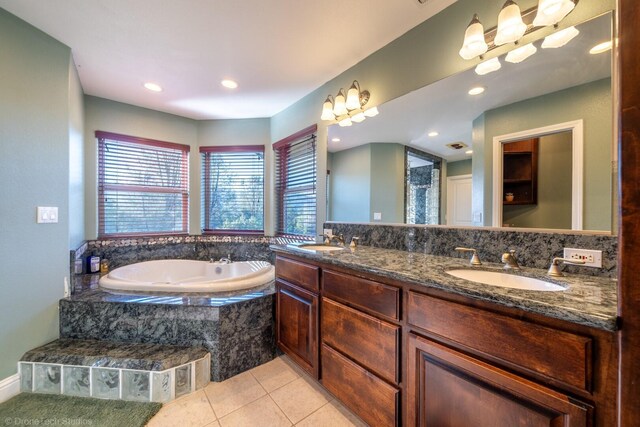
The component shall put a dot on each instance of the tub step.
(110, 370)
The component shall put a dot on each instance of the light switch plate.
(47, 215)
(377, 216)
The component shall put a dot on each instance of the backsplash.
(533, 248)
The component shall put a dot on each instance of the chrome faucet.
(554, 269)
(475, 260)
(510, 261)
(226, 260)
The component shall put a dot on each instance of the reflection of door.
(459, 200)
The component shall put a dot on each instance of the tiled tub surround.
(533, 249)
(588, 300)
(147, 373)
(236, 328)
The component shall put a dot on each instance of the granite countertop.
(588, 300)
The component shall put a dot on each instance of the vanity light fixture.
(433, 134)
(327, 109)
(345, 122)
(560, 38)
(371, 112)
(476, 90)
(601, 48)
(358, 117)
(229, 84)
(348, 108)
(510, 25)
(474, 43)
(488, 66)
(520, 54)
(153, 87)
(550, 12)
(340, 104)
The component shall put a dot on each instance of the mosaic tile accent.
(76, 381)
(136, 385)
(47, 378)
(105, 383)
(26, 376)
(183, 380)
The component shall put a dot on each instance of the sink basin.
(505, 280)
(316, 247)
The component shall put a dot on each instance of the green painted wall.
(76, 159)
(590, 102)
(460, 167)
(387, 182)
(553, 209)
(423, 55)
(35, 106)
(350, 185)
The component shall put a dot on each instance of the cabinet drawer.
(307, 276)
(372, 399)
(366, 294)
(559, 355)
(369, 341)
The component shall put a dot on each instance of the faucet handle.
(354, 242)
(475, 260)
(326, 237)
(510, 261)
(554, 269)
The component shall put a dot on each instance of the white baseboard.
(9, 387)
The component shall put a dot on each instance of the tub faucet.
(510, 261)
(226, 260)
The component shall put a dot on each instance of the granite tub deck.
(236, 328)
(107, 370)
(588, 300)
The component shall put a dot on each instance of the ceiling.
(277, 50)
(445, 106)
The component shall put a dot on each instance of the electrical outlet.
(377, 216)
(590, 257)
(47, 215)
(327, 231)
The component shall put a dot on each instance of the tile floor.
(275, 394)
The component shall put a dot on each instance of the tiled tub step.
(110, 370)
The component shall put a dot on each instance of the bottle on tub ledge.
(104, 266)
(93, 264)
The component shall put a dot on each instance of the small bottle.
(93, 264)
(104, 266)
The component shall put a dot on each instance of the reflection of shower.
(422, 187)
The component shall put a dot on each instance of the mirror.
(561, 98)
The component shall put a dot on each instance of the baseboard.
(9, 387)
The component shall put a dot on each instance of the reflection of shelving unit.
(520, 171)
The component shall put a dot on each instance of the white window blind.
(295, 186)
(143, 186)
(233, 189)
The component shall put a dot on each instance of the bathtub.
(188, 276)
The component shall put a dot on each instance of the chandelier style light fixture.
(348, 109)
(512, 26)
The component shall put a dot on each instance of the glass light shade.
(510, 25)
(601, 48)
(327, 110)
(560, 38)
(489, 66)
(360, 117)
(520, 54)
(345, 122)
(353, 97)
(474, 43)
(550, 12)
(339, 107)
(371, 112)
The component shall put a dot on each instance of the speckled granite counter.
(588, 300)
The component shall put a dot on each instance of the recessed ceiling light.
(230, 84)
(153, 87)
(432, 134)
(476, 90)
(600, 48)
(335, 140)
(468, 152)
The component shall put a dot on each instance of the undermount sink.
(505, 280)
(317, 247)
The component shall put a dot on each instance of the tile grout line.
(328, 403)
(209, 400)
(281, 410)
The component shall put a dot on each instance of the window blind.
(295, 186)
(233, 189)
(143, 186)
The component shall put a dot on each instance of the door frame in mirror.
(577, 153)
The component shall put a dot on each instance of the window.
(143, 186)
(295, 186)
(233, 189)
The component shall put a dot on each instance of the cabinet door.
(297, 325)
(451, 389)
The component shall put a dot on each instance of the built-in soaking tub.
(184, 276)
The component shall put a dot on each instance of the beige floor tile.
(333, 414)
(192, 410)
(260, 413)
(273, 375)
(300, 398)
(231, 394)
(213, 424)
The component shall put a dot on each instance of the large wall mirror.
(533, 149)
